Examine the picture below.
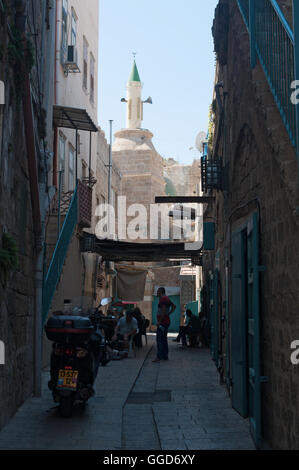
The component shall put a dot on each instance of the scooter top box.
(69, 329)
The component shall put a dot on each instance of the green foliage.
(8, 256)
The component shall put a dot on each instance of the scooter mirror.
(106, 301)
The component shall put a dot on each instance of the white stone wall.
(69, 89)
(134, 105)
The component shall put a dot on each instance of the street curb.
(130, 390)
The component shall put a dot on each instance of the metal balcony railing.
(61, 249)
(273, 41)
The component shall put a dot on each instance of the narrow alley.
(139, 405)
(149, 191)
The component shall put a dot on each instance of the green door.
(175, 317)
(255, 378)
(211, 314)
(214, 315)
(245, 326)
(239, 325)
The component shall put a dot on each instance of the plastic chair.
(146, 324)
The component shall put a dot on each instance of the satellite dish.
(200, 139)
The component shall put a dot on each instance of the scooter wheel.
(66, 407)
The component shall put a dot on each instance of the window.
(84, 170)
(61, 159)
(71, 169)
(74, 29)
(61, 153)
(92, 68)
(85, 61)
(64, 38)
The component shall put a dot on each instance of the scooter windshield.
(82, 306)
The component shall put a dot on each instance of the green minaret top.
(134, 76)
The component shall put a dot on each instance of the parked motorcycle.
(78, 349)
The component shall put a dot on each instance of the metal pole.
(296, 62)
(89, 158)
(59, 202)
(252, 33)
(76, 156)
(110, 176)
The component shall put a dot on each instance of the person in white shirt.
(126, 328)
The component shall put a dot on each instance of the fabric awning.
(117, 251)
(73, 118)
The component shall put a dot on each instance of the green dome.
(169, 188)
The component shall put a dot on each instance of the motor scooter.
(78, 349)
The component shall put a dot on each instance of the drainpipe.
(56, 93)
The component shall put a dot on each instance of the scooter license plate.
(67, 379)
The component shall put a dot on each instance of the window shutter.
(238, 325)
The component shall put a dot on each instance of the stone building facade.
(84, 275)
(141, 168)
(261, 181)
(25, 31)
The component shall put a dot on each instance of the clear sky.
(176, 64)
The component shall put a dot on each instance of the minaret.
(134, 103)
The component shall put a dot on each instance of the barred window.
(85, 63)
(71, 169)
(92, 68)
(74, 29)
(64, 35)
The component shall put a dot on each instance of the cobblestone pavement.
(176, 404)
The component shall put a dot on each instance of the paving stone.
(198, 415)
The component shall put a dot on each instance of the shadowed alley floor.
(174, 405)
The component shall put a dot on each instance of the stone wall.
(262, 175)
(17, 292)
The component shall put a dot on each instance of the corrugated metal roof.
(73, 118)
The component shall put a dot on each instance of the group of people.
(132, 323)
(130, 326)
(120, 329)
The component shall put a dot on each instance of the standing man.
(165, 308)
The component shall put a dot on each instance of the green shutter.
(255, 378)
(238, 325)
(214, 316)
(209, 236)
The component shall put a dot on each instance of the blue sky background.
(176, 64)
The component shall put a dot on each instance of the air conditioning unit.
(71, 63)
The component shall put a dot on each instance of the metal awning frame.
(74, 118)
